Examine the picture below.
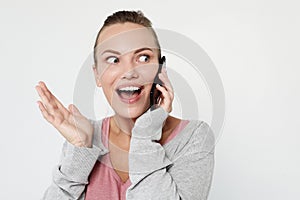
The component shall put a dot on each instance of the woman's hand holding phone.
(76, 128)
(167, 93)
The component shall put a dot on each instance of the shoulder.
(200, 135)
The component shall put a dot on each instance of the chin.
(131, 112)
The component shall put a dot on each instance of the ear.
(97, 76)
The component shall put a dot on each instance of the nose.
(130, 74)
(130, 69)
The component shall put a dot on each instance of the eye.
(112, 60)
(144, 58)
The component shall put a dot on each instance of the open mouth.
(129, 94)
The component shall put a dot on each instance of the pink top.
(104, 182)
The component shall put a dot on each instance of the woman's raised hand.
(76, 128)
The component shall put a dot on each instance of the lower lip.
(132, 100)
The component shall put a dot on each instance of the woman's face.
(127, 62)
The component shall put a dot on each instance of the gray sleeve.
(70, 176)
(154, 176)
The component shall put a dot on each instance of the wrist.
(83, 142)
(149, 125)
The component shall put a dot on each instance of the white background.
(254, 45)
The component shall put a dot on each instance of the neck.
(122, 125)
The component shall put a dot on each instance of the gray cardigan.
(180, 169)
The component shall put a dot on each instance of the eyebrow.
(118, 53)
(110, 51)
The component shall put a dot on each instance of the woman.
(138, 153)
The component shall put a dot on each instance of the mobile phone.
(155, 93)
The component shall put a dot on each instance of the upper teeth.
(129, 88)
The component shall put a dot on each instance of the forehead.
(125, 37)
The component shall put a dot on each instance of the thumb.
(74, 110)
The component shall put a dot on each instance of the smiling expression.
(127, 61)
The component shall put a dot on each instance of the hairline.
(148, 27)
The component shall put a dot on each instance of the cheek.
(109, 75)
(147, 89)
(108, 81)
(108, 70)
(147, 72)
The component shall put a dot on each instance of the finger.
(45, 89)
(167, 85)
(74, 110)
(164, 78)
(56, 102)
(44, 98)
(166, 100)
(44, 112)
(47, 92)
(165, 93)
(167, 80)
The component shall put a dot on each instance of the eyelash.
(148, 57)
(111, 57)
